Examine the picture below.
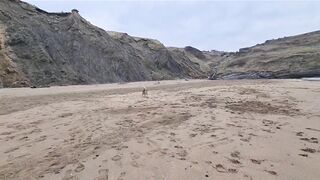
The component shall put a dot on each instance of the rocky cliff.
(41, 48)
(289, 57)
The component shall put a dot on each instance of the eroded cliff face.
(10, 73)
(158, 57)
(289, 57)
(64, 48)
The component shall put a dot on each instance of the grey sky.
(219, 25)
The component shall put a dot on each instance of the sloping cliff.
(40, 48)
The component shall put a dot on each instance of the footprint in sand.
(215, 152)
(11, 150)
(271, 172)
(246, 139)
(309, 150)
(178, 147)
(303, 155)
(120, 147)
(299, 134)
(24, 138)
(135, 164)
(63, 115)
(135, 156)
(310, 140)
(208, 162)
(80, 167)
(116, 158)
(313, 129)
(255, 161)
(220, 168)
(247, 176)
(41, 138)
(234, 161)
(122, 174)
(231, 170)
(182, 154)
(6, 133)
(235, 154)
(164, 151)
(103, 174)
(69, 175)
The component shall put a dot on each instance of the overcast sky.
(206, 25)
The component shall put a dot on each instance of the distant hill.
(289, 57)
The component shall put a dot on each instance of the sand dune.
(257, 129)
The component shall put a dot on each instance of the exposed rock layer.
(289, 57)
(41, 48)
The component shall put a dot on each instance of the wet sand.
(197, 129)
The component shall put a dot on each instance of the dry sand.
(250, 129)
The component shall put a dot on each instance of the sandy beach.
(196, 129)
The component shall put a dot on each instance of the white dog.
(144, 91)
